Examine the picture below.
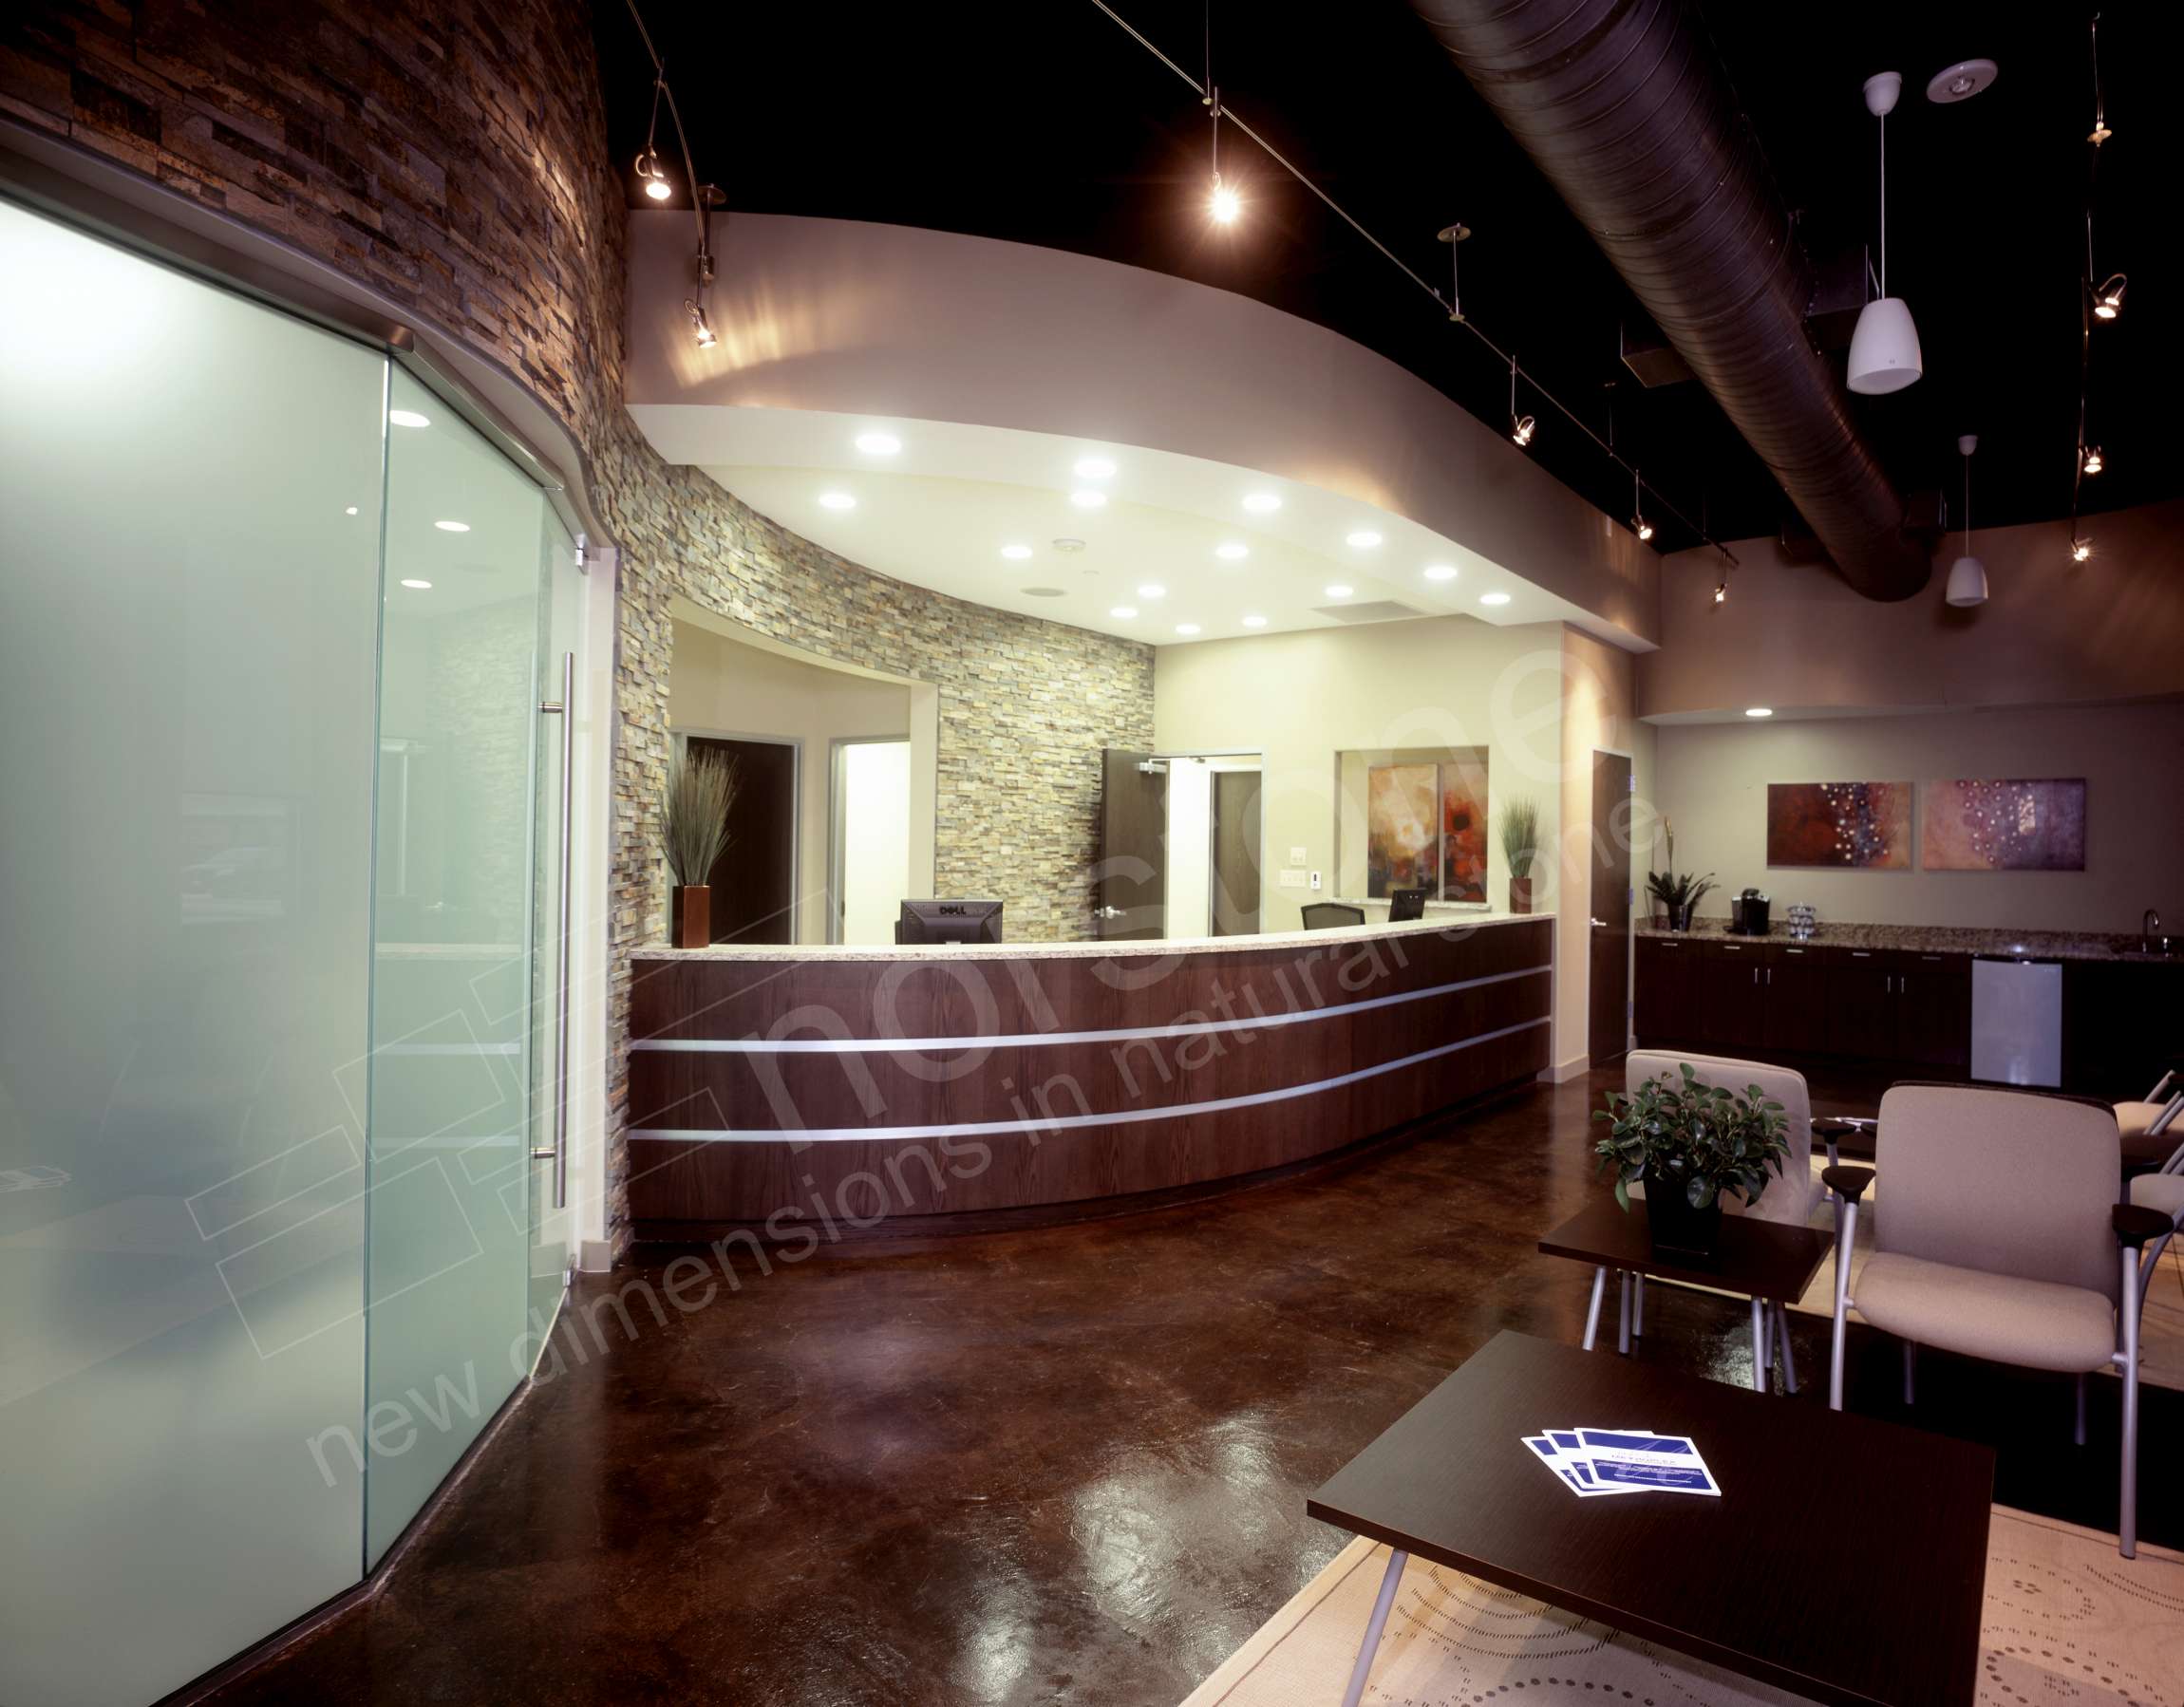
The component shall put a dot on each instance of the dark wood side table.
(1861, 1585)
(1767, 1261)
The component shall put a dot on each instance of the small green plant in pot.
(1521, 850)
(1689, 1144)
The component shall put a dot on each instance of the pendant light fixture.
(1521, 427)
(1639, 525)
(650, 171)
(1967, 575)
(1223, 204)
(1884, 349)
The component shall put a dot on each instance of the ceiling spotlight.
(1364, 539)
(1338, 591)
(879, 444)
(836, 501)
(1884, 349)
(1084, 497)
(1641, 527)
(2108, 300)
(1967, 575)
(1124, 612)
(1254, 622)
(1186, 627)
(701, 328)
(2091, 460)
(1494, 598)
(1094, 468)
(409, 418)
(1262, 504)
(2081, 550)
(1016, 554)
(419, 585)
(1759, 711)
(1440, 572)
(1152, 590)
(1520, 428)
(1233, 550)
(452, 527)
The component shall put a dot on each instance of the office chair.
(1404, 904)
(2150, 1138)
(1332, 915)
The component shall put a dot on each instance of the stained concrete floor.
(1063, 1465)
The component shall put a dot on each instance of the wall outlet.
(1315, 880)
(1298, 855)
(1288, 879)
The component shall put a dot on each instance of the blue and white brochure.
(1597, 1462)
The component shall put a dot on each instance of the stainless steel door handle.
(565, 710)
(1599, 924)
(1108, 912)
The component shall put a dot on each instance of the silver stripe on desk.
(1024, 1038)
(820, 1134)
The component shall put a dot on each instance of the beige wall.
(2051, 632)
(1598, 715)
(1713, 787)
(719, 686)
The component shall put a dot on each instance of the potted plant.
(1521, 850)
(694, 828)
(1679, 896)
(1690, 1143)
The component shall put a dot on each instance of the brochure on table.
(1595, 1463)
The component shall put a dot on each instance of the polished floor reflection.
(1065, 1465)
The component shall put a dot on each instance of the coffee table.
(1845, 1559)
(1767, 1261)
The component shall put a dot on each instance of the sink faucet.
(2150, 925)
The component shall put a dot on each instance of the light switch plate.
(1315, 880)
(1290, 879)
(1298, 855)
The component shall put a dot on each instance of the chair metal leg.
(2078, 1434)
(1388, 1582)
(1789, 1357)
(1638, 1306)
(1844, 1248)
(1592, 1309)
(1623, 1322)
(1758, 1346)
(1911, 1373)
(2127, 1525)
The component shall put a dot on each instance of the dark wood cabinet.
(1933, 1010)
(1861, 1004)
(1732, 980)
(1795, 1017)
(1665, 1010)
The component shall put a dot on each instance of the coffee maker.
(1748, 914)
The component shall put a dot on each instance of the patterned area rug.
(2067, 1622)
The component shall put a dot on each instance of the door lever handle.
(1599, 924)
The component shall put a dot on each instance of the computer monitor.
(1405, 905)
(948, 921)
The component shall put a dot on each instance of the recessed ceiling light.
(1094, 468)
(1262, 504)
(351, 511)
(409, 418)
(1494, 598)
(1759, 711)
(1070, 545)
(1042, 592)
(1152, 590)
(452, 527)
(1338, 591)
(1016, 554)
(1186, 627)
(1254, 622)
(1441, 571)
(879, 444)
(1233, 550)
(419, 585)
(1124, 612)
(836, 501)
(1364, 539)
(1085, 498)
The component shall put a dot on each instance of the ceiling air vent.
(1373, 610)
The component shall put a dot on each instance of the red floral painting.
(1462, 833)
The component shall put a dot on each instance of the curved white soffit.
(848, 318)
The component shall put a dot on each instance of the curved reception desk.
(807, 1090)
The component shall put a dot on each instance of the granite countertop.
(1925, 939)
(1005, 950)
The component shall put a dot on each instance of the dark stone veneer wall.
(453, 156)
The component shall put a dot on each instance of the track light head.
(2108, 299)
(2091, 460)
(2081, 550)
(701, 328)
(653, 174)
(1224, 204)
(1641, 527)
(1521, 429)
(1721, 590)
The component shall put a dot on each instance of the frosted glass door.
(188, 612)
(559, 609)
(872, 837)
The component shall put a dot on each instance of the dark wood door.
(1132, 888)
(1861, 1004)
(1732, 996)
(753, 881)
(1236, 853)
(1608, 1004)
(1667, 990)
(1933, 1009)
(1796, 1016)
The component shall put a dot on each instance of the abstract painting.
(2014, 826)
(1463, 831)
(1864, 825)
(1401, 838)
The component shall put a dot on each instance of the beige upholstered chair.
(2150, 1127)
(2004, 1240)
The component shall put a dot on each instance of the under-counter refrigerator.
(2017, 1021)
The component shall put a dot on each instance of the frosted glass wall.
(188, 620)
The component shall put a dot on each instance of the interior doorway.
(754, 880)
(1235, 909)
(1180, 848)
(869, 836)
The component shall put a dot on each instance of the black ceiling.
(1041, 121)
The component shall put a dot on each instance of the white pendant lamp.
(1967, 575)
(1884, 349)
